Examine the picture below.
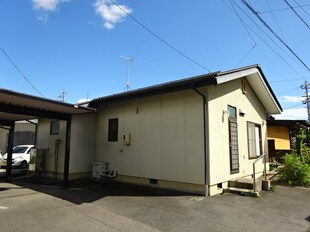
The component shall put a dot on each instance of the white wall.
(82, 148)
(47, 142)
(166, 137)
(83, 143)
(219, 98)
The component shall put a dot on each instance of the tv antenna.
(128, 60)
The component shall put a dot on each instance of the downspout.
(67, 152)
(206, 158)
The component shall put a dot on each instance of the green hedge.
(296, 169)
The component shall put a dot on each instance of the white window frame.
(254, 140)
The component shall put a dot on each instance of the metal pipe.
(57, 145)
(265, 169)
(8, 175)
(254, 178)
(204, 132)
(67, 152)
(254, 172)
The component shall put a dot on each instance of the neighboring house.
(280, 133)
(24, 134)
(194, 134)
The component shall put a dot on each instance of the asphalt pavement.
(31, 205)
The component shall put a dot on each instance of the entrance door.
(233, 140)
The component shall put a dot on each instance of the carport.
(16, 106)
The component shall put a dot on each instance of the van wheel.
(23, 165)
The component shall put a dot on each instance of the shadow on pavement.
(87, 191)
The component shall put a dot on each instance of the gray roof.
(263, 89)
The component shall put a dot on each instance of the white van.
(20, 156)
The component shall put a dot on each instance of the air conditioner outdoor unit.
(97, 167)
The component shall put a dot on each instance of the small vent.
(219, 185)
(153, 181)
(244, 86)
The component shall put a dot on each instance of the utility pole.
(128, 60)
(307, 99)
(62, 96)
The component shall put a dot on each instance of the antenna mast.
(128, 60)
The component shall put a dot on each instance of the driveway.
(15, 172)
(124, 207)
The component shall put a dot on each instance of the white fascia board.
(263, 92)
(222, 78)
(258, 85)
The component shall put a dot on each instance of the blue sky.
(75, 45)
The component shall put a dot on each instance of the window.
(254, 140)
(232, 112)
(113, 130)
(54, 128)
(233, 139)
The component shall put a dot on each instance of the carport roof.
(16, 106)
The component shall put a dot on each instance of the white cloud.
(44, 7)
(47, 5)
(293, 99)
(297, 114)
(110, 13)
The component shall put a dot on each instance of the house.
(280, 135)
(193, 134)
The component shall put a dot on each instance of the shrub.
(305, 154)
(295, 170)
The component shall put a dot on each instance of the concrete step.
(246, 183)
(241, 183)
(241, 191)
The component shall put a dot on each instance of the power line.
(292, 107)
(245, 56)
(20, 72)
(297, 13)
(243, 23)
(158, 37)
(259, 36)
(274, 18)
(284, 80)
(301, 7)
(282, 9)
(273, 32)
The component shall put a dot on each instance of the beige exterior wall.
(166, 137)
(47, 142)
(83, 145)
(281, 136)
(82, 152)
(219, 97)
